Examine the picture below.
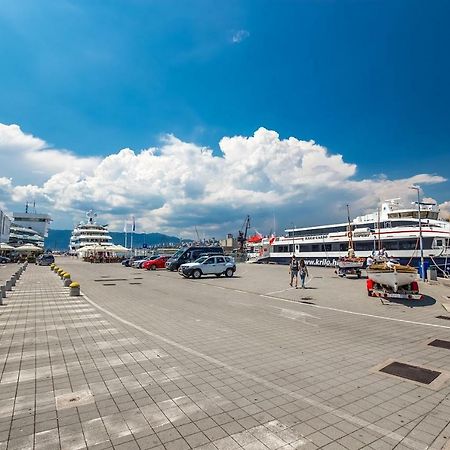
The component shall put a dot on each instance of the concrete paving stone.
(131, 445)
(20, 443)
(319, 438)
(197, 439)
(255, 446)
(121, 438)
(148, 442)
(179, 444)
(351, 443)
(215, 433)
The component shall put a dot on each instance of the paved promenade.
(151, 360)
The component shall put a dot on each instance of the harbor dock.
(151, 360)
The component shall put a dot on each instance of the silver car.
(209, 265)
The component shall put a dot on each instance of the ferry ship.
(89, 233)
(394, 228)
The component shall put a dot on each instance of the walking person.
(303, 272)
(293, 270)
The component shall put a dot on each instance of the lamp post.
(417, 188)
(293, 235)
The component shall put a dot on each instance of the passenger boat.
(394, 227)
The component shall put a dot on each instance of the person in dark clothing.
(293, 270)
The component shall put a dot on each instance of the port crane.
(242, 234)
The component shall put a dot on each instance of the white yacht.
(89, 233)
(394, 228)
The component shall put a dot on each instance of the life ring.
(349, 234)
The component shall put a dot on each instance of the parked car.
(208, 265)
(158, 262)
(139, 263)
(4, 260)
(45, 260)
(129, 261)
(190, 254)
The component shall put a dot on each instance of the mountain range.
(59, 239)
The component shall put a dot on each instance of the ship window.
(439, 242)
(407, 244)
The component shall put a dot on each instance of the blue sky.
(365, 79)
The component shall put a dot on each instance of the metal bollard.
(2, 293)
(13, 280)
(74, 289)
(8, 285)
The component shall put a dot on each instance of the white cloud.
(179, 185)
(26, 158)
(239, 35)
(445, 210)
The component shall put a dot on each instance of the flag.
(272, 239)
(133, 228)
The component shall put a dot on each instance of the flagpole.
(133, 229)
(126, 235)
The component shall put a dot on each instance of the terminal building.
(29, 228)
(5, 224)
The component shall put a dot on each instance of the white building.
(37, 222)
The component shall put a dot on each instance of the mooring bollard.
(66, 279)
(74, 289)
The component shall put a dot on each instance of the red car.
(157, 263)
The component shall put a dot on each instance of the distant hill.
(59, 239)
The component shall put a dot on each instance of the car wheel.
(196, 274)
(229, 272)
(153, 267)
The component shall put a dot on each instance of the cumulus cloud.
(445, 210)
(239, 35)
(26, 158)
(179, 185)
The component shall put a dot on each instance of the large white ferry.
(394, 228)
(89, 233)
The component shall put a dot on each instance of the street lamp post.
(293, 242)
(417, 188)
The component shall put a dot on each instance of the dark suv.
(190, 254)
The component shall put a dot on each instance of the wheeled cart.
(346, 271)
(407, 292)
